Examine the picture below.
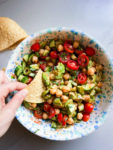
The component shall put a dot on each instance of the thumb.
(15, 102)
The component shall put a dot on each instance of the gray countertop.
(92, 17)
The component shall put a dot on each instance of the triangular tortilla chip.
(35, 89)
(10, 33)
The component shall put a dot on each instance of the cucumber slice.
(32, 74)
(18, 70)
(26, 71)
(52, 44)
(26, 58)
(34, 67)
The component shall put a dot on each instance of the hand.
(7, 111)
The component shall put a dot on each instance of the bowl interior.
(103, 100)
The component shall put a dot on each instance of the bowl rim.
(45, 31)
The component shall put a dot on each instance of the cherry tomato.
(82, 78)
(86, 117)
(83, 60)
(90, 51)
(68, 47)
(60, 117)
(71, 64)
(53, 54)
(29, 80)
(51, 113)
(47, 107)
(64, 120)
(38, 114)
(35, 47)
(43, 66)
(64, 57)
(78, 51)
(88, 107)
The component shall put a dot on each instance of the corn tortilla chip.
(10, 33)
(35, 89)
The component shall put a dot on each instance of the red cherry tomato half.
(68, 47)
(38, 114)
(60, 117)
(82, 78)
(51, 113)
(90, 51)
(29, 80)
(86, 117)
(71, 64)
(47, 107)
(64, 121)
(53, 54)
(88, 107)
(83, 60)
(35, 47)
(64, 57)
(43, 66)
(78, 52)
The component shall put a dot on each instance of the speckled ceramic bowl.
(103, 101)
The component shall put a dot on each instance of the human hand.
(7, 111)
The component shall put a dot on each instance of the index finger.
(7, 88)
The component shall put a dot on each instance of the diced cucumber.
(80, 89)
(93, 92)
(32, 74)
(48, 69)
(54, 125)
(26, 57)
(81, 107)
(23, 78)
(34, 67)
(88, 87)
(30, 58)
(70, 101)
(54, 118)
(26, 71)
(52, 44)
(45, 53)
(71, 109)
(23, 64)
(18, 70)
(43, 44)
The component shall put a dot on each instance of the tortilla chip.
(10, 33)
(35, 89)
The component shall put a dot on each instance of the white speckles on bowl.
(103, 101)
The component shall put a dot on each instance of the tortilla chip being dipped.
(10, 33)
(35, 89)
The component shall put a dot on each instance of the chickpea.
(53, 91)
(66, 89)
(66, 76)
(41, 51)
(99, 67)
(79, 116)
(76, 44)
(57, 111)
(59, 93)
(64, 98)
(47, 47)
(70, 120)
(60, 48)
(33, 105)
(45, 116)
(86, 98)
(50, 64)
(84, 70)
(91, 71)
(73, 89)
(66, 82)
(99, 84)
(52, 76)
(34, 59)
(50, 101)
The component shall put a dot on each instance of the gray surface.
(92, 17)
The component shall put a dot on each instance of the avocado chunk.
(26, 57)
(57, 102)
(80, 89)
(45, 78)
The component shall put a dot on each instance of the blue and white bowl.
(103, 101)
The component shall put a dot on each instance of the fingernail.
(24, 92)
